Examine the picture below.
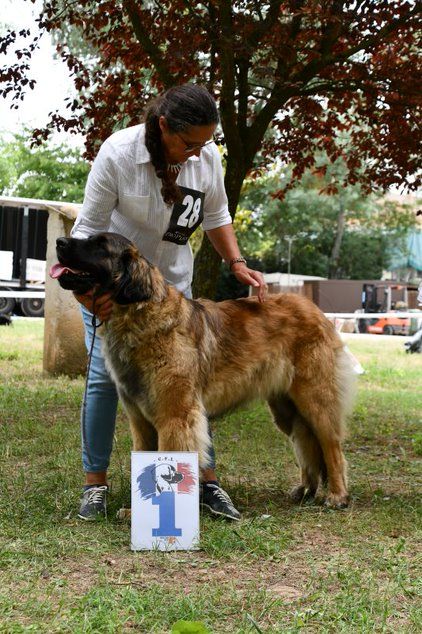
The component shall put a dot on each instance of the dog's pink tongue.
(58, 269)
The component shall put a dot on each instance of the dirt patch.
(184, 571)
(287, 593)
(187, 571)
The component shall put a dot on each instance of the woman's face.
(179, 146)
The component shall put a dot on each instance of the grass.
(283, 569)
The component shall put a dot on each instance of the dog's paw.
(124, 514)
(301, 494)
(337, 501)
(297, 494)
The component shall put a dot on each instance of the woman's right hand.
(102, 307)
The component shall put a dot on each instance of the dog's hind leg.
(306, 446)
(320, 406)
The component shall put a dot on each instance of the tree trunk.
(206, 271)
(335, 253)
(207, 260)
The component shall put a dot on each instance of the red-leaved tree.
(292, 77)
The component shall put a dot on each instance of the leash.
(95, 325)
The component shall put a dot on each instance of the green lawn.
(284, 568)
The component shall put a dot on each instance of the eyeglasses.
(191, 147)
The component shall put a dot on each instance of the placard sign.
(165, 501)
(186, 216)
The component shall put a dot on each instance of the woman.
(154, 183)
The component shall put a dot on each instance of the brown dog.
(176, 361)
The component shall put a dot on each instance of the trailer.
(23, 247)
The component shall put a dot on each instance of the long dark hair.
(182, 106)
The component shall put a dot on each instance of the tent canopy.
(411, 255)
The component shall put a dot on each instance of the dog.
(176, 361)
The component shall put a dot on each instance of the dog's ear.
(134, 280)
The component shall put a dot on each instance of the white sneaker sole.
(228, 517)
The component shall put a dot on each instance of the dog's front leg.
(144, 435)
(184, 429)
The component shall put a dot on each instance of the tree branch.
(265, 25)
(228, 79)
(368, 42)
(238, 136)
(332, 30)
(256, 131)
(152, 50)
(296, 20)
(281, 93)
(243, 94)
(214, 48)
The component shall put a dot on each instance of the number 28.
(191, 214)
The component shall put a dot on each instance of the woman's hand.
(102, 306)
(244, 275)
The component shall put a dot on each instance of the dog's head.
(105, 262)
(165, 476)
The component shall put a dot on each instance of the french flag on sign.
(189, 481)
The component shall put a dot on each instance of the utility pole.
(289, 239)
(341, 224)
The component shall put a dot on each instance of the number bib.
(186, 216)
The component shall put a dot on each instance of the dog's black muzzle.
(73, 269)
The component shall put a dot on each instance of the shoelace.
(222, 495)
(96, 494)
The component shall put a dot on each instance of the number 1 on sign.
(167, 517)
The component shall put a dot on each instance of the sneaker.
(216, 500)
(93, 503)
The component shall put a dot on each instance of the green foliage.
(417, 443)
(189, 627)
(49, 172)
(366, 253)
(309, 212)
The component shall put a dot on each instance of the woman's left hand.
(244, 275)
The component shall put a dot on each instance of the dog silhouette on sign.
(165, 477)
(158, 478)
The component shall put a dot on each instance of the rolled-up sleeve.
(216, 211)
(100, 195)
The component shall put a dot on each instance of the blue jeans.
(101, 408)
